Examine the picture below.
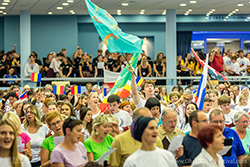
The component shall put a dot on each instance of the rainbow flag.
(76, 90)
(36, 77)
(58, 90)
(104, 92)
(23, 96)
(139, 81)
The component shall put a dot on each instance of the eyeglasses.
(71, 118)
(56, 123)
(204, 121)
(187, 99)
(244, 122)
(220, 121)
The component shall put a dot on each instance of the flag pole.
(128, 63)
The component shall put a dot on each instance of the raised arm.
(136, 96)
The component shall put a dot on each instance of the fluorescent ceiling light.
(213, 10)
(2, 7)
(119, 14)
(119, 10)
(183, 4)
(6, 0)
(210, 11)
(186, 14)
(4, 13)
(71, 11)
(141, 12)
(124, 4)
(59, 8)
(190, 10)
(49, 12)
(70, 1)
(4, 3)
(65, 4)
(192, 1)
(227, 17)
(233, 12)
(237, 10)
(240, 4)
(1, 11)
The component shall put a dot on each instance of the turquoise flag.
(111, 34)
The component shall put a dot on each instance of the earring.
(96, 133)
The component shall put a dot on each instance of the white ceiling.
(151, 7)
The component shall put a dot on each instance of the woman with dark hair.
(3, 65)
(54, 66)
(31, 67)
(47, 63)
(190, 107)
(186, 68)
(212, 141)
(119, 62)
(225, 91)
(70, 152)
(154, 107)
(85, 67)
(144, 130)
(68, 110)
(159, 65)
(86, 118)
(81, 102)
(65, 69)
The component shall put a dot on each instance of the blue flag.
(111, 34)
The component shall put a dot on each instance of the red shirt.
(217, 63)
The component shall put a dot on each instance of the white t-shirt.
(93, 116)
(227, 62)
(36, 141)
(230, 117)
(243, 108)
(157, 158)
(235, 67)
(6, 161)
(142, 103)
(243, 61)
(124, 118)
(86, 133)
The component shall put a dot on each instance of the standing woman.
(71, 152)
(55, 123)
(9, 156)
(145, 69)
(159, 65)
(25, 139)
(211, 140)
(86, 118)
(85, 67)
(186, 68)
(117, 66)
(23, 111)
(100, 141)
(31, 67)
(36, 130)
(54, 66)
(68, 110)
(47, 64)
(65, 69)
(76, 61)
(144, 130)
(93, 101)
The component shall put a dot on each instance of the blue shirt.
(237, 148)
(8, 76)
(160, 122)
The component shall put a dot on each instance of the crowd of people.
(45, 129)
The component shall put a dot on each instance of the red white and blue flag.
(214, 75)
(200, 96)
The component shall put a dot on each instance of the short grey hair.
(96, 87)
(239, 114)
(165, 111)
(187, 92)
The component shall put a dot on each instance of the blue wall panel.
(11, 33)
(52, 33)
(1, 33)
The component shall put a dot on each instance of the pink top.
(25, 139)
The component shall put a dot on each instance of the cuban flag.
(200, 96)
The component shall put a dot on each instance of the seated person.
(10, 75)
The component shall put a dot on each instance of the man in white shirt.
(148, 90)
(243, 62)
(123, 116)
(227, 61)
(236, 90)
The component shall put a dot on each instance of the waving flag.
(76, 90)
(23, 96)
(36, 77)
(122, 85)
(58, 90)
(110, 33)
(212, 72)
(200, 96)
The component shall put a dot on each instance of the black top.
(116, 65)
(3, 70)
(85, 66)
(144, 71)
(77, 62)
(159, 67)
(38, 62)
(15, 66)
(65, 68)
(100, 72)
(192, 148)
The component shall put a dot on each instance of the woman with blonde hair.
(9, 156)
(36, 130)
(159, 65)
(25, 139)
(100, 141)
(85, 67)
(243, 104)
(144, 69)
(164, 93)
(93, 101)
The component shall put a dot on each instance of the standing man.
(217, 117)
(227, 61)
(216, 60)
(243, 62)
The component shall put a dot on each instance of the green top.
(98, 149)
(246, 141)
(49, 144)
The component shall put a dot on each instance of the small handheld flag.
(104, 93)
(139, 81)
(76, 90)
(23, 96)
(58, 90)
(36, 77)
